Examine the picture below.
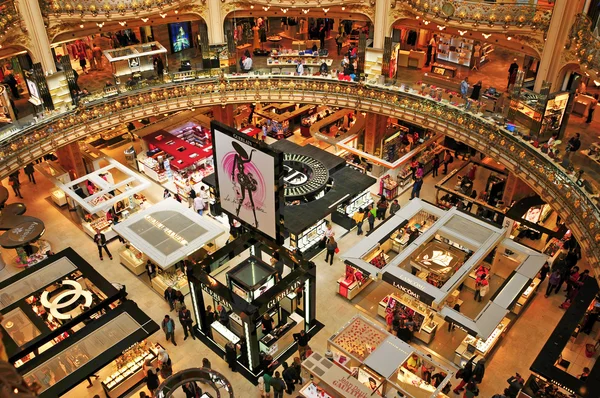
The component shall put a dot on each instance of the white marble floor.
(515, 352)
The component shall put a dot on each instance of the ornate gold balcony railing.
(107, 8)
(9, 17)
(481, 13)
(585, 44)
(544, 175)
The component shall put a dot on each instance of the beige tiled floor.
(514, 353)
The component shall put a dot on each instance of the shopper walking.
(278, 385)
(416, 190)
(515, 384)
(152, 381)
(466, 373)
(479, 371)
(593, 105)
(206, 363)
(331, 247)
(168, 326)
(382, 206)
(472, 390)
(289, 377)
(199, 204)
(150, 269)
(464, 89)
(29, 171)
(436, 166)
(394, 207)
(512, 73)
(447, 160)
(553, 282)
(358, 218)
(476, 91)
(371, 217)
(165, 363)
(185, 318)
(573, 146)
(231, 355)
(14, 182)
(169, 295)
(100, 240)
(302, 339)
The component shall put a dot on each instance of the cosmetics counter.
(436, 262)
(128, 367)
(344, 212)
(353, 282)
(423, 316)
(251, 290)
(160, 233)
(526, 297)
(380, 361)
(471, 346)
(136, 60)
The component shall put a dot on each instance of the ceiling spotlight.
(122, 23)
(441, 27)
(284, 10)
(162, 15)
(306, 11)
(81, 26)
(100, 25)
(176, 11)
(462, 32)
(252, 6)
(266, 8)
(426, 22)
(487, 36)
(144, 20)
(343, 8)
(509, 38)
(325, 10)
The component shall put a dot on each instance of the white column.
(216, 34)
(40, 44)
(380, 28)
(563, 16)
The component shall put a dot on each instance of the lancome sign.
(409, 286)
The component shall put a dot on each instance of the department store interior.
(393, 198)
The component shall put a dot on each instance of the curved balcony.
(500, 15)
(66, 9)
(587, 45)
(546, 177)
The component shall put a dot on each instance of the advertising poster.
(180, 34)
(246, 179)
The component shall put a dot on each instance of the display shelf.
(482, 348)
(133, 259)
(309, 237)
(454, 49)
(390, 302)
(290, 61)
(172, 277)
(311, 390)
(526, 297)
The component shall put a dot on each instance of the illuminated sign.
(214, 295)
(169, 232)
(289, 290)
(409, 286)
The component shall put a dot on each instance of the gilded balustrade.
(107, 8)
(493, 14)
(585, 44)
(545, 176)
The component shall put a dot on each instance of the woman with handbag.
(466, 374)
(164, 362)
(332, 248)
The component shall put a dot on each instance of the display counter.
(352, 283)
(526, 297)
(133, 259)
(581, 104)
(425, 328)
(312, 390)
(173, 277)
(413, 384)
(355, 342)
(344, 213)
(309, 238)
(221, 335)
(281, 337)
(443, 70)
(101, 224)
(438, 261)
(129, 369)
(58, 197)
(471, 346)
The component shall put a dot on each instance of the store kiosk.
(135, 61)
(71, 343)
(254, 289)
(166, 233)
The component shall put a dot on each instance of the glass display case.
(128, 368)
(344, 213)
(172, 277)
(308, 238)
(475, 346)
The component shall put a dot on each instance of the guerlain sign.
(289, 290)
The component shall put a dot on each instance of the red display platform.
(183, 153)
(252, 132)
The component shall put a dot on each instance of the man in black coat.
(100, 240)
(289, 376)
